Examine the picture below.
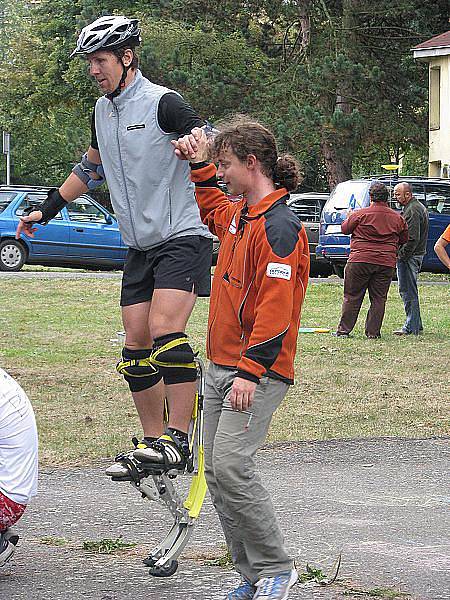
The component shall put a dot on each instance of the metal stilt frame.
(155, 484)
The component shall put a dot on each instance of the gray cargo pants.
(243, 504)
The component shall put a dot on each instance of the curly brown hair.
(244, 136)
(378, 192)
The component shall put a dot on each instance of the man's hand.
(193, 146)
(49, 208)
(26, 224)
(242, 394)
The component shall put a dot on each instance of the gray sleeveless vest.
(151, 190)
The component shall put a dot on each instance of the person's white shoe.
(167, 451)
(8, 541)
(125, 465)
(275, 588)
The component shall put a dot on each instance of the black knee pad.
(138, 370)
(175, 358)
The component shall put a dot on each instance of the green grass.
(55, 339)
(107, 546)
(53, 541)
(223, 560)
(311, 574)
(369, 388)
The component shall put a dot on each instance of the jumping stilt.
(153, 483)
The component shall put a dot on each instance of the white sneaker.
(125, 466)
(8, 543)
(165, 451)
(276, 588)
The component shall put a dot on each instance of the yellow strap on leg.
(123, 366)
(169, 346)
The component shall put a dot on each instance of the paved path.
(381, 503)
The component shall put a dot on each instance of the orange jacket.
(259, 283)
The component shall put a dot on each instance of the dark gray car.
(308, 207)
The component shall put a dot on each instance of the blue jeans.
(407, 273)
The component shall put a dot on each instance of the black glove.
(49, 208)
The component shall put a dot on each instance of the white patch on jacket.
(278, 270)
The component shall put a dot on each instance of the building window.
(435, 97)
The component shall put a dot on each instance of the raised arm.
(215, 207)
(440, 248)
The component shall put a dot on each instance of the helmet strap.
(121, 85)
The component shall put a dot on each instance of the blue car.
(334, 246)
(83, 234)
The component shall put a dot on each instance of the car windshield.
(307, 209)
(438, 198)
(5, 200)
(33, 199)
(348, 194)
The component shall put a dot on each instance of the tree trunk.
(338, 162)
(338, 145)
(305, 25)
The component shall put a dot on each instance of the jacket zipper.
(170, 210)
(240, 312)
(130, 214)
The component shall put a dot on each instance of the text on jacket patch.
(278, 270)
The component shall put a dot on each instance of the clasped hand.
(193, 146)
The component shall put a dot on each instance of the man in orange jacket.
(258, 290)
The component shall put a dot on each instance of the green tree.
(43, 116)
(335, 79)
(352, 86)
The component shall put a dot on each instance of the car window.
(438, 198)
(83, 210)
(33, 200)
(5, 200)
(348, 194)
(306, 209)
(418, 191)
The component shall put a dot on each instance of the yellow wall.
(439, 154)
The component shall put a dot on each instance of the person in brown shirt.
(376, 234)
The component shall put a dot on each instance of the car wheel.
(12, 255)
(320, 271)
(339, 270)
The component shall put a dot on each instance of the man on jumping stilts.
(169, 257)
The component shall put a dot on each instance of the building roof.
(437, 46)
(438, 41)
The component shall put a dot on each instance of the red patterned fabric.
(10, 512)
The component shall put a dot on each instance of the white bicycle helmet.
(108, 33)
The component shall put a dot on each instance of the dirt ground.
(382, 504)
